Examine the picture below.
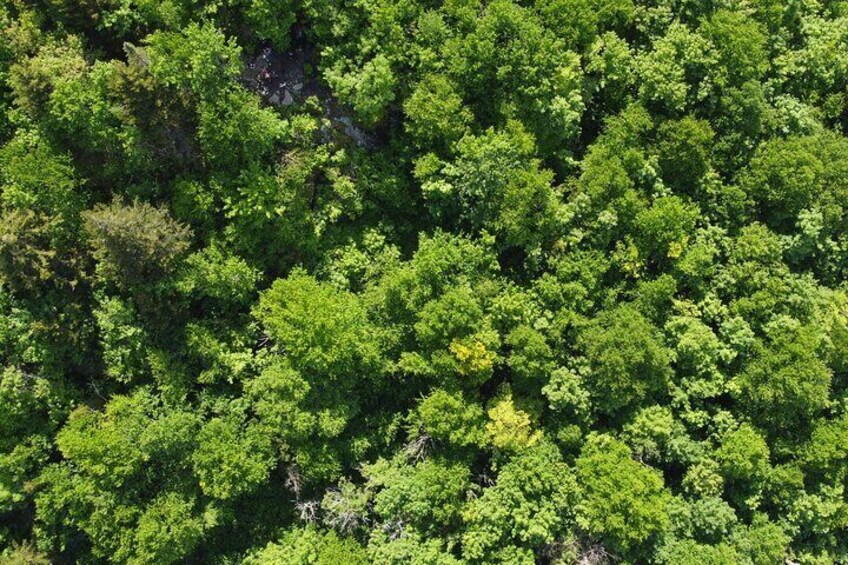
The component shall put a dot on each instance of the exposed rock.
(281, 79)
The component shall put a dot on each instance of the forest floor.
(284, 78)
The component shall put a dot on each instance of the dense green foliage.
(579, 297)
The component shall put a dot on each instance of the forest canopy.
(420, 282)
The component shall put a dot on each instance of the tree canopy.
(537, 282)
